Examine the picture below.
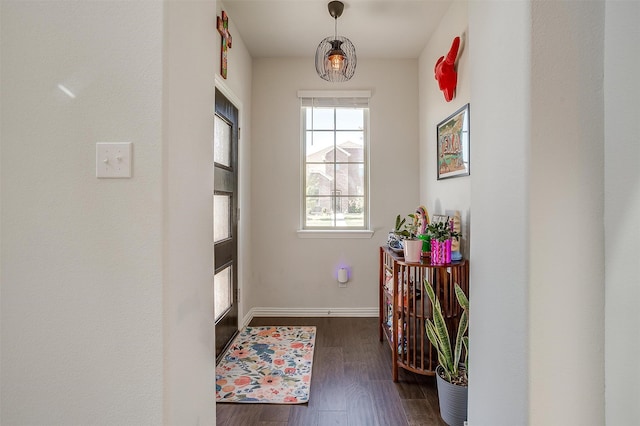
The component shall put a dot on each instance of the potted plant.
(451, 373)
(441, 234)
(411, 244)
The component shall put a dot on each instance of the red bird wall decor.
(446, 73)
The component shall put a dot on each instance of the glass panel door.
(225, 222)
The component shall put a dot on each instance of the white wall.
(81, 257)
(447, 195)
(299, 273)
(537, 287)
(566, 207)
(499, 59)
(622, 210)
(107, 284)
(190, 64)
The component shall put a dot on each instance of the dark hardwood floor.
(351, 383)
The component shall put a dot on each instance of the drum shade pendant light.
(336, 55)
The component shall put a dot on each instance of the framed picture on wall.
(452, 140)
(439, 218)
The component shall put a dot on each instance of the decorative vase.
(440, 252)
(412, 250)
(453, 401)
(435, 251)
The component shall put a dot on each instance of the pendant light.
(336, 55)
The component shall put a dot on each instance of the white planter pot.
(412, 250)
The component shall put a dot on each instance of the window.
(335, 160)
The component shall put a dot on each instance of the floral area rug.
(268, 365)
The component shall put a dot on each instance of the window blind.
(344, 99)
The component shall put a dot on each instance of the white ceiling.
(294, 28)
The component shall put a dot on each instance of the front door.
(225, 221)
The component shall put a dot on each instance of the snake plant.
(438, 335)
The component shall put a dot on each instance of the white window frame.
(336, 99)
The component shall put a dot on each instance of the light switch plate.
(113, 159)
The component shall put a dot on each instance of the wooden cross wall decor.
(223, 29)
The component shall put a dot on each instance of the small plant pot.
(412, 250)
(453, 401)
(440, 252)
(426, 244)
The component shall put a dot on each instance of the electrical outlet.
(113, 159)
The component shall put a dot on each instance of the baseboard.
(308, 312)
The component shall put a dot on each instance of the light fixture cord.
(335, 32)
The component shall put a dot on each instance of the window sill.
(334, 233)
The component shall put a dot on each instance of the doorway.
(225, 221)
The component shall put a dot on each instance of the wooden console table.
(402, 287)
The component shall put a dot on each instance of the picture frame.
(437, 218)
(452, 141)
